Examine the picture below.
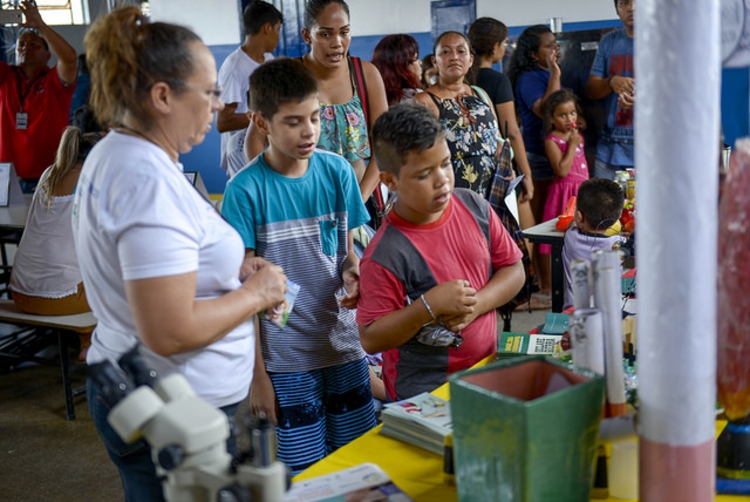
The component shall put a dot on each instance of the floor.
(43, 457)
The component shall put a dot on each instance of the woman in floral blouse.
(470, 124)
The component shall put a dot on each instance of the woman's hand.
(269, 282)
(552, 66)
(528, 189)
(251, 265)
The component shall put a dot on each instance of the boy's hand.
(453, 298)
(351, 284)
(263, 397)
(459, 322)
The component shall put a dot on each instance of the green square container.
(525, 429)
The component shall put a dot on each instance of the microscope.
(188, 437)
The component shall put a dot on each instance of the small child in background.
(565, 151)
(598, 207)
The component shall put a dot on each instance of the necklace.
(136, 132)
(449, 91)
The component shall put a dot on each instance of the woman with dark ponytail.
(535, 75)
(487, 37)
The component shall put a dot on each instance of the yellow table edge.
(416, 471)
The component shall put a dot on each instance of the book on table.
(514, 344)
(361, 482)
(423, 420)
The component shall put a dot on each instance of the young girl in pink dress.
(564, 147)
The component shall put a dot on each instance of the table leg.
(70, 412)
(558, 279)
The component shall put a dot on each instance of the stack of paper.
(361, 482)
(423, 420)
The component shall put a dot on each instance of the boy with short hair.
(296, 207)
(437, 269)
(262, 22)
(598, 206)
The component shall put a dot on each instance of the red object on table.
(733, 313)
(565, 219)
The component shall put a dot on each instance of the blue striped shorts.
(320, 411)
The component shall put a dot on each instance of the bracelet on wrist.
(427, 306)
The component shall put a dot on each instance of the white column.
(677, 71)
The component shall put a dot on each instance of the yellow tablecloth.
(416, 471)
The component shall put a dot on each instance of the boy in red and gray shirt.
(439, 266)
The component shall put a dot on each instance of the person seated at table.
(46, 279)
(437, 269)
(297, 207)
(598, 206)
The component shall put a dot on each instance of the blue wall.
(205, 157)
(735, 102)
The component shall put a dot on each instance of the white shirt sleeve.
(155, 240)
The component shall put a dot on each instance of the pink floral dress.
(563, 189)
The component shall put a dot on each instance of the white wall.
(217, 22)
(413, 16)
(220, 24)
(520, 13)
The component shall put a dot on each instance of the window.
(58, 12)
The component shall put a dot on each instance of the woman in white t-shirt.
(162, 269)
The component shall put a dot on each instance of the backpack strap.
(486, 98)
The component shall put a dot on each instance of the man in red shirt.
(35, 99)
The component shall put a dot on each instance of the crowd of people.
(312, 146)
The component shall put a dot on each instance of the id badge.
(22, 121)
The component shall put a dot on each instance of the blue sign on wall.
(452, 15)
